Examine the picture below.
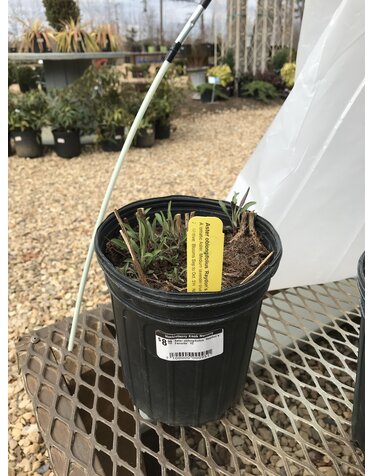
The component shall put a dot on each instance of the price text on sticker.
(205, 242)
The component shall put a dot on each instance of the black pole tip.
(205, 3)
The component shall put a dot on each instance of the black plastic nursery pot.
(206, 96)
(27, 143)
(162, 130)
(67, 143)
(184, 392)
(145, 137)
(10, 145)
(358, 421)
(115, 143)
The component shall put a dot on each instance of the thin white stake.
(128, 142)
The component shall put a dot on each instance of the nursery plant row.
(98, 103)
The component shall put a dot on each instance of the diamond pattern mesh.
(293, 418)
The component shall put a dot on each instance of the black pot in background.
(11, 150)
(358, 421)
(40, 46)
(162, 130)
(115, 143)
(67, 143)
(27, 143)
(184, 392)
(145, 137)
(206, 96)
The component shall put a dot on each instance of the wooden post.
(229, 37)
(264, 37)
(273, 37)
(292, 29)
(246, 42)
(237, 40)
(254, 66)
(161, 23)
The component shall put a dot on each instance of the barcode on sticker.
(189, 346)
(176, 355)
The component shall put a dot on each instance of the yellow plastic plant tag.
(205, 241)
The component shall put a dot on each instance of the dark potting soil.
(242, 256)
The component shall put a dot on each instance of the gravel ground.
(53, 204)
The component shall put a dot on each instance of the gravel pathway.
(53, 204)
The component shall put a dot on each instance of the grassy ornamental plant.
(154, 250)
(36, 37)
(106, 38)
(74, 38)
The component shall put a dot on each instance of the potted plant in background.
(36, 38)
(140, 70)
(27, 115)
(226, 78)
(103, 88)
(74, 38)
(145, 136)
(208, 90)
(111, 128)
(168, 98)
(69, 117)
(106, 38)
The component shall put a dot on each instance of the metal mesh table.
(294, 416)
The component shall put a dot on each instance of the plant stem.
(258, 268)
(136, 264)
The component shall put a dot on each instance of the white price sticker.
(60, 140)
(189, 346)
(18, 138)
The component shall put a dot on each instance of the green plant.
(260, 90)
(73, 38)
(202, 88)
(103, 88)
(157, 240)
(58, 12)
(28, 111)
(140, 70)
(167, 100)
(223, 72)
(237, 211)
(28, 77)
(12, 73)
(281, 57)
(109, 120)
(36, 34)
(157, 243)
(67, 111)
(288, 74)
(106, 38)
(268, 76)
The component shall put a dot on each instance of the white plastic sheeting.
(307, 173)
